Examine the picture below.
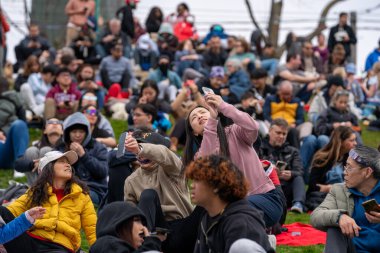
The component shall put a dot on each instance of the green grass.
(369, 138)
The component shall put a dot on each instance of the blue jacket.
(239, 83)
(368, 240)
(372, 59)
(92, 168)
(14, 228)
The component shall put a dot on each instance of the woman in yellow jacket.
(68, 208)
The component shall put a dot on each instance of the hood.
(242, 206)
(76, 119)
(115, 214)
(165, 28)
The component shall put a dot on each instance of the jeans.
(294, 190)
(15, 145)
(311, 144)
(270, 203)
(270, 65)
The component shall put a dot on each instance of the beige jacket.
(338, 200)
(166, 179)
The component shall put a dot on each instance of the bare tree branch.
(320, 27)
(322, 20)
(253, 19)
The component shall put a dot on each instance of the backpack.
(14, 191)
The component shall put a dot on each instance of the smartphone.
(162, 231)
(121, 145)
(281, 165)
(207, 91)
(371, 205)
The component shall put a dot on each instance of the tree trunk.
(274, 22)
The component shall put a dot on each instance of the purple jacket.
(241, 136)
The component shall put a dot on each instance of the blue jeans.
(270, 65)
(15, 145)
(311, 144)
(270, 203)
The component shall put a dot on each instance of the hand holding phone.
(371, 205)
(121, 145)
(207, 91)
(281, 165)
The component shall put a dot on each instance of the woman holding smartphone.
(207, 136)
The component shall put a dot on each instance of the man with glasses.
(62, 99)
(310, 63)
(349, 227)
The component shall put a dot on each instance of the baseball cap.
(51, 156)
(217, 71)
(351, 68)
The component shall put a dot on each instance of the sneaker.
(297, 207)
(17, 174)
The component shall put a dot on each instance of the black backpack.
(14, 191)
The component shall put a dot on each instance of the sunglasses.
(92, 112)
(54, 122)
(91, 98)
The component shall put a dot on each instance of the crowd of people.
(221, 138)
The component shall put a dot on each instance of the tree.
(275, 19)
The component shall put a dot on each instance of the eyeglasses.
(92, 112)
(349, 169)
(53, 122)
(91, 98)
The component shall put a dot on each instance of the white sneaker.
(272, 241)
(17, 174)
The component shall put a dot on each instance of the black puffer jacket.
(112, 216)
(330, 116)
(239, 220)
(285, 153)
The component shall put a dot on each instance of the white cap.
(55, 155)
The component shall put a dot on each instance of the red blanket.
(300, 234)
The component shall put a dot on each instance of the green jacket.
(338, 200)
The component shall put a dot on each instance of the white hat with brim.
(51, 156)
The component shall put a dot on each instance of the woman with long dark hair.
(68, 208)
(327, 165)
(206, 135)
(154, 20)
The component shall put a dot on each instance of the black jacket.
(239, 220)
(285, 153)
(330, 116)
(92, 168)
(112, 216)
(127, 23)
(332, 39)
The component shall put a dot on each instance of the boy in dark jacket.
(92, 165)
(115, 223)
(229, 216)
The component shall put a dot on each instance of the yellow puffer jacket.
(63, 221)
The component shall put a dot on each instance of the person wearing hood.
(229, 216)
(146, 52)
(167, 42)
(121, 229)
(350, 227)
(92, 165)
(275, 148)
(168, 81)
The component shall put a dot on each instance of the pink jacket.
(240, 136)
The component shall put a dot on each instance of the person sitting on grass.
(121, 228)
(350, 227)
(220, 187)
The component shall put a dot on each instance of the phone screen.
(207, 91)
(121, 145)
